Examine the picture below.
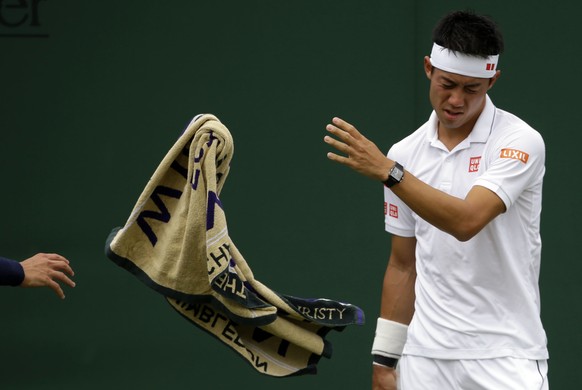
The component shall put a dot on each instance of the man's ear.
(494, 79)
(427, 67)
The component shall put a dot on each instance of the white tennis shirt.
(477, 299)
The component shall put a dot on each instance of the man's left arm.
(462, 218)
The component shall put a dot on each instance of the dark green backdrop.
(89, 108)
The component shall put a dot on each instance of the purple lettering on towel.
(212, 202)
(161, 214)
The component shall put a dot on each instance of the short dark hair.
(468, 33)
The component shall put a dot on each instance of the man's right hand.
(383, 378)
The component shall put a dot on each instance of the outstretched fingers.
(62, 265)
(63, 278)
(343, 140)
(56, 288)
(60, 270)
(359, 153)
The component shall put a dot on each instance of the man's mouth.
(452, 114)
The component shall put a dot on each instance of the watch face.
(397, 174)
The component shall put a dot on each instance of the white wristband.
(390, 338)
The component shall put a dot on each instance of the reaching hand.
(46, 270)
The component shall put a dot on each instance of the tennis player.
(460, 304)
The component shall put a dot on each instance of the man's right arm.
(397, 304)
(398, 289)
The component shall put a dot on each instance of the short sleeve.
(398, 217)
(515, 163)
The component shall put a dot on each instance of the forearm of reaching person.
(11, 272)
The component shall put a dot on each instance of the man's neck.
(452, 137)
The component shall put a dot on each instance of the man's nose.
(457, 98)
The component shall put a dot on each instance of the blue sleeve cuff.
(11, 272)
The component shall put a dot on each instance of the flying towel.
(176, 241)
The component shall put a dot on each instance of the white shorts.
(418, 373)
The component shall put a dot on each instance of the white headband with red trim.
(463, 64)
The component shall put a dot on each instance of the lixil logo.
(21, 19)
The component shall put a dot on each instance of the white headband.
(463, 64)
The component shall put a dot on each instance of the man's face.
(457, 100)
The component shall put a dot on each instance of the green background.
(88, 112)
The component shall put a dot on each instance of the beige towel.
(176, 241)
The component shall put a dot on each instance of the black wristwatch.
(395, 175)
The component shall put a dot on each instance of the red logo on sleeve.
(474, 164)
(393, 211)
(515, 154)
